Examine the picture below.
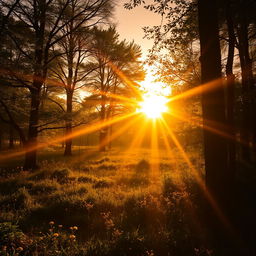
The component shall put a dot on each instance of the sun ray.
(94, 127)
(154, 148)
(119, 131)
(55, 82)
(124, 78)
(153, 106)
(198, 90)
(137, 140)
(211, 126)
(198, 178)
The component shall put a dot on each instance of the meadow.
(114, 203)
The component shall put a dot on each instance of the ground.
(135, 202)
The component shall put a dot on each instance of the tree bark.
(230, 90)
(31, 144)
(11, 137)
(247, 85)
(1, 140)
(104, 130)
(35, 91)
(68, 141)
(213, 102)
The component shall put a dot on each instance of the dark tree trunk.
(11, 137)
(104, 130)
(1, 140)
(230, 90)
(213, 102)
(39, 76)
(68, 141)
(31, 144)
(247, 84)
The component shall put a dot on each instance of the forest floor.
(135, 202)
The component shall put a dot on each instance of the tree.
(113, 57)
(73, 65)
(45, 20)
(213, 102)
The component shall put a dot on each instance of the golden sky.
(130, 23)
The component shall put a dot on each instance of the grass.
(120, 204)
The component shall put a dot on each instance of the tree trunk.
(104, 130)
(230, 90)
(11, 138)
(1, 140)
(40, 70)
(247, 85)
(213, 102)
(68, 141)
(31, 144)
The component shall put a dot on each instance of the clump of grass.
(101, 161)
(11, 185)
(62, 175)
(142, 166)
(103, 183)
(20, 200)
(44, 187)
(170, 185)
(86, 179)
(107, 167)
(40, 175)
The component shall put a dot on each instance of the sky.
(129, 26)
(130, 22)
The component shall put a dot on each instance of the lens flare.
(153, 106)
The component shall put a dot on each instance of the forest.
(106, 151)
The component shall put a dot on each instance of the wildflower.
(55, 235)
(71, 228)
(19, 249)
(72, 237)
(60, 226)
(51, 223)
(150, 253)
(117, 233)
(88, 206)
(4, 248)
(50, 230)
(75, 228)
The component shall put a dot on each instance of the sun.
(153, 106)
